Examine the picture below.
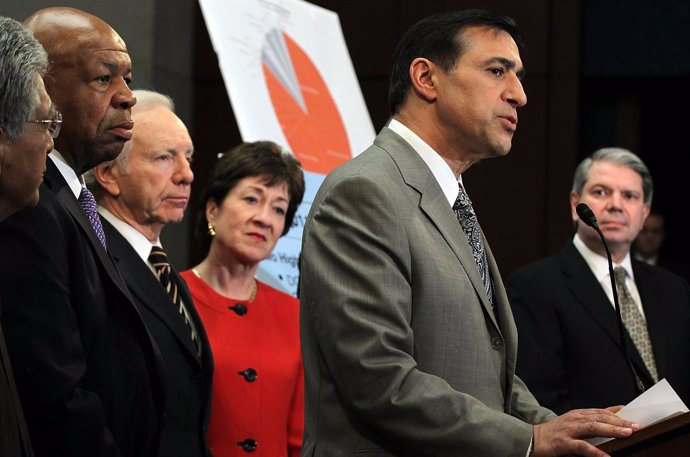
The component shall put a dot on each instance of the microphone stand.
(588, 217)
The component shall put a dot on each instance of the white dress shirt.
(600, 267)
(74, 182)
(450, 184)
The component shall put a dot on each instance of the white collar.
(598, 263)
(74, 182)
(136, 239)
(439, 168)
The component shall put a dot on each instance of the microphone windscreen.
(586, 214)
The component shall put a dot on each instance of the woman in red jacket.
(258, 383)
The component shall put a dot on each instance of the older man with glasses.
(23, 149)
(53, 123)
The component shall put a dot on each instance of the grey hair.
(146, 100)
(618, 156)
(22, 58)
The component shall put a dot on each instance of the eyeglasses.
(53, 124)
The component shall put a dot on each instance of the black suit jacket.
(14, 437)
(88, 373)
(569, 353)
(188, 378)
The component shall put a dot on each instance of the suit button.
(196, 378)
(249, 445)
(249, 374)
(496, 342)
(239, 309)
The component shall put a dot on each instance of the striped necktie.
(160, 263)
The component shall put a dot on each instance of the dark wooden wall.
(521, 200)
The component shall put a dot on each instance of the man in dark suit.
(570, 353)
(649, 246)
(88, 373)
(144, 189)
(408, 342)
(28, 123)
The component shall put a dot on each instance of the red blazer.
(258, 384)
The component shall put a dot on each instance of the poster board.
(290, 80)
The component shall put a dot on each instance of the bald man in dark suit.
(88, 373)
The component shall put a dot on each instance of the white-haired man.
(144, 189)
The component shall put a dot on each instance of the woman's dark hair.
(261, 158)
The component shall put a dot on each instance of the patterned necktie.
(160, 263)
(470, 225)
(634, 323)
(90, 208)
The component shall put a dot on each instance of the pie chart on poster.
(303, 105)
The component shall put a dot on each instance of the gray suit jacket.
(402, 353)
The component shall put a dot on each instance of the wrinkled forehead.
(65, 31)
(88, 41)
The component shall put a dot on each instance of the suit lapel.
(54, 180)
(583, 285)
(57, 184)
(147, 289)
(433, 203)
(505, 313)
(206, 358)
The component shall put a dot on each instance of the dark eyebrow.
(109, 64)
(113, 67)
(508, 64)
(261, 191)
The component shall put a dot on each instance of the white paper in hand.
(658, 403)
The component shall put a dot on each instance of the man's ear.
(645, 212)
(422, 73)
(574, 200)
(105, 174)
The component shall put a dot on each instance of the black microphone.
(587, 216)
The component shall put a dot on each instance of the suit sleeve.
(525, 406)
(43, 334)
(356, 290)
(541, 351)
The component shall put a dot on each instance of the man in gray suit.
(408, 342)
